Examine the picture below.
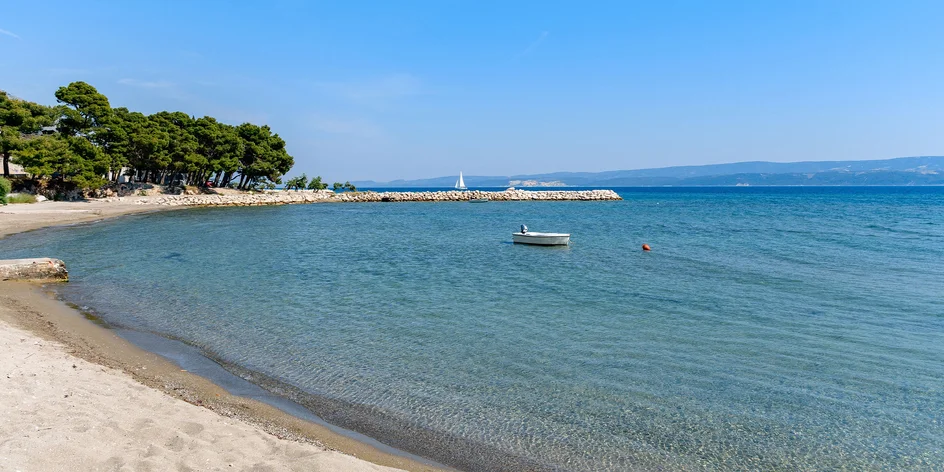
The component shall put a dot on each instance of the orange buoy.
(645, 247)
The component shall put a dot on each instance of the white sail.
(460, 184)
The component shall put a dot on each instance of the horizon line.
(649, 168)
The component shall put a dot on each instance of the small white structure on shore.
(16, 170)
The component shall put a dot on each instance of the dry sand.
(75, 396)
(64, 413)
(29, 216)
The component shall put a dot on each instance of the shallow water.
(784, 328)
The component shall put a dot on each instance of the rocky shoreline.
(325, 196)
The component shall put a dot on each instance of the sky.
(390, 90)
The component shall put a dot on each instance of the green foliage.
(85, 110)
(297, 183)
(220, 145)
(43, 156)
(264, 156)
(5, 187)
(264, 184)
(64, 158)
(21, 198)
(19, 118)
(96, 142)
(347, 186)
(317, 184)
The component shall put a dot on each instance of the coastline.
(286, 197)
(40, 321)
(19, 218)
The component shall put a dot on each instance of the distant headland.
(923, 170)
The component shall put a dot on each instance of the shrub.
(317, 184)
(21, 198)
(5, 187)
(297, 183)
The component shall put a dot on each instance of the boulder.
(42, 269)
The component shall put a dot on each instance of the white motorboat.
(460, 184)
(541, 239)
(479, 200)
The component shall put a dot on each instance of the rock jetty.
(326, 196)
(42, 269)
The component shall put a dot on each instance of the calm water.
(790, 329)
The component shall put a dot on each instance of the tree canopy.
(317, 184)
(95, 144)
(19, 118)
(86, 110)
(345, 186)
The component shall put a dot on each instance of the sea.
(785, 328)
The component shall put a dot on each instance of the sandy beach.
(75, 396)
(26, 217)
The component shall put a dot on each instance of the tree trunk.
(6, 164)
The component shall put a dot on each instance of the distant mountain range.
(924, 170)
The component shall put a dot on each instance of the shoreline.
(19, 218)
(24, 217)
(33, 309)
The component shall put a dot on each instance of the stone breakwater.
(325, 196)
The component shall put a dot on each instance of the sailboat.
(460, 184)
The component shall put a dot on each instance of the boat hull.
(541, 239)
(478, 200)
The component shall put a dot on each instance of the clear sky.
(409, 89)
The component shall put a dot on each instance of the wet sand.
(76, 396)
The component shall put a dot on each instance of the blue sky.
(409, 89)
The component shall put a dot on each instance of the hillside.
(923, 170)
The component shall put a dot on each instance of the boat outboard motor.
(524, 229)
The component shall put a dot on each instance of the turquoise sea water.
(768, 329)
